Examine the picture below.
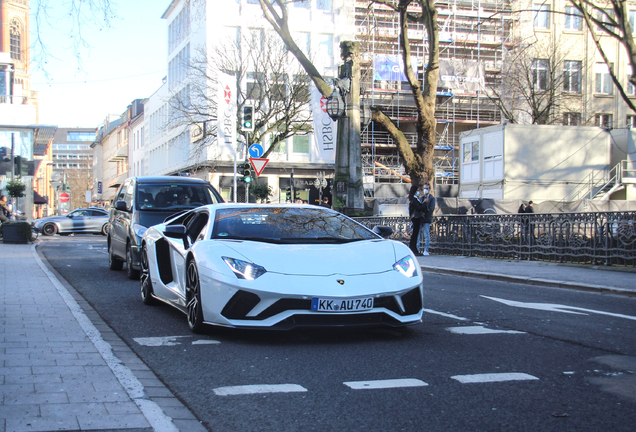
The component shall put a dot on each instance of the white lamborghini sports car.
(279, 266)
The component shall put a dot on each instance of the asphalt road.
(489, 356)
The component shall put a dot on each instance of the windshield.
(288, 225)
(173, 196)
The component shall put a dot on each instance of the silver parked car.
(86, 220)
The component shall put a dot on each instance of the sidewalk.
(63, 368)
(615, 280)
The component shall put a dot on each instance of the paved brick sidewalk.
(62, 368)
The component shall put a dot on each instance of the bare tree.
(267, 78)
(78, 14)
(536, 85)
(611, 17)
(418, 162)
(79, 181)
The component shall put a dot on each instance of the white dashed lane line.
(259, 389)
(493, 377)
(475, 330)
(384, 384)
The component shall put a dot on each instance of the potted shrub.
(16, 232)
(261, 191)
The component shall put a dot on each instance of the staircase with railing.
(599, 184)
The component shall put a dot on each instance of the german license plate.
(322, 304)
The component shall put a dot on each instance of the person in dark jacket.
(5, 214)
(421, 209)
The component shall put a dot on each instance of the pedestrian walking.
(421, 209)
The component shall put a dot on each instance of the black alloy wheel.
(193, 298)
(130, 271)
(114, 263)
(146, 283)
(49, 229)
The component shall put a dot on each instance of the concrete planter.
(11, 233)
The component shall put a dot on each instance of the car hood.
(360, 257)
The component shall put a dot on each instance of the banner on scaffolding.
(461, 76)
(391, 67)
(324, 128)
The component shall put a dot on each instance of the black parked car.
(142, 202)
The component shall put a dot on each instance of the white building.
(195, 27)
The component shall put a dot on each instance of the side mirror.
(121, 205)
(178, 232)
(383, 231)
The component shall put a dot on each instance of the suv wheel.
(114, 263)
(132, 273)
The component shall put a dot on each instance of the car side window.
(128, 196)
(121, 192)
(195, 226)
(98, 213)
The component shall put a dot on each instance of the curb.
(529, 281)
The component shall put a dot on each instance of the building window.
(540, 69)
(471, 151)
(302, 4)
(15, 31)
(603, 81)
(630, 87)
(573, 20)
(303, 41)
(301, 144)
(572, 119)
(630, 121)
(541, 16)
(324, 5)
(80, 136)
(572, 76)
(631, 16)
(606, 16)
(603, 120)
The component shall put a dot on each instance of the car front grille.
(243, 302)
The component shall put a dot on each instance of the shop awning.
(39, 199)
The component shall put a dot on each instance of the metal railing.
(607, 238)
(597, 182)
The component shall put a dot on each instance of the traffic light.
(19, 165)
(246, 172)
(247, 118)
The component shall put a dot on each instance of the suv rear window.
(162, 196)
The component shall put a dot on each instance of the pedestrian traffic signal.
(247, 118)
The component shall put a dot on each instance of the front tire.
(146, 283)
(105, 229)
(130, 271)
(114, 263)
(193, 298)
(49, 229)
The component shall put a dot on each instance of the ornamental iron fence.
(607, 238)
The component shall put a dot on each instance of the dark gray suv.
(142, 202)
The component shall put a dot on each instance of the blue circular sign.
(256, 150)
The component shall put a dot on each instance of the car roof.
(220, 206)
(169, 179)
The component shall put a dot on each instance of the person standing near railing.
(421, 209)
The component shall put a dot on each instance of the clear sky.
(124, 62)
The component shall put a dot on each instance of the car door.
(195, 228)
(119, 221)
(78, 220)
(95, 222)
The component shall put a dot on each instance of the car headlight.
(139, 230)
(406, 266)
(243, 269)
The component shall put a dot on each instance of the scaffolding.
(478, 31)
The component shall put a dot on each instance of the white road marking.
(259, 388)
(384, 384)
(160, 341)
(557, 308)
(473, 330)
(447, 315)
(205, 342)
(493, 377)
